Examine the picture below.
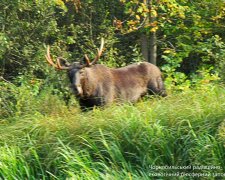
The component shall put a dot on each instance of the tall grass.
(55, 141)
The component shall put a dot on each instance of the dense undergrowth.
(47, 139)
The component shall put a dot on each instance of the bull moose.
(98, 85)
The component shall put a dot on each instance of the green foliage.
(211, 51)
(25, 26)
(197, 41)
(7, 99)
(190, 38)
(32, 95)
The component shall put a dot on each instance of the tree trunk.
(153, 39)
(153, 48)
(148, 42)
(144, 46)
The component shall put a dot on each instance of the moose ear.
(63, 62)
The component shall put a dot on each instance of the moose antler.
(58, 65)
(50, 61)
(100, 50)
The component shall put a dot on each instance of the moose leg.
(156, 86)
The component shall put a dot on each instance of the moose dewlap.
(98, 85)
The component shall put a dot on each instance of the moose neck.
(84, 82)
(87, 81)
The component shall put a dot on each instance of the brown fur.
(97, 85)
(102, 85)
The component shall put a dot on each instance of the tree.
(149, 40)
(144, 18)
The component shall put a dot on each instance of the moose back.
(97, 85)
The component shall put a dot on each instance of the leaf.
(154, 13)
(137, 17)
(168, 51)
(61, 4)
(140, 9)
(154, 29)
(131, 22)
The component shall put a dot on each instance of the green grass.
(50, 140)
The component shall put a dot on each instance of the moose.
(98, 85)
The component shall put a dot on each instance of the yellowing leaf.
(131, 22)
(137, 17)
(154, 29)
(59, 3)
(153, 13)
(140, 9)
(182, 15)
(168, 51)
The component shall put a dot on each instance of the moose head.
(97, 85)
(75, 70)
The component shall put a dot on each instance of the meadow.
(46, 138)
